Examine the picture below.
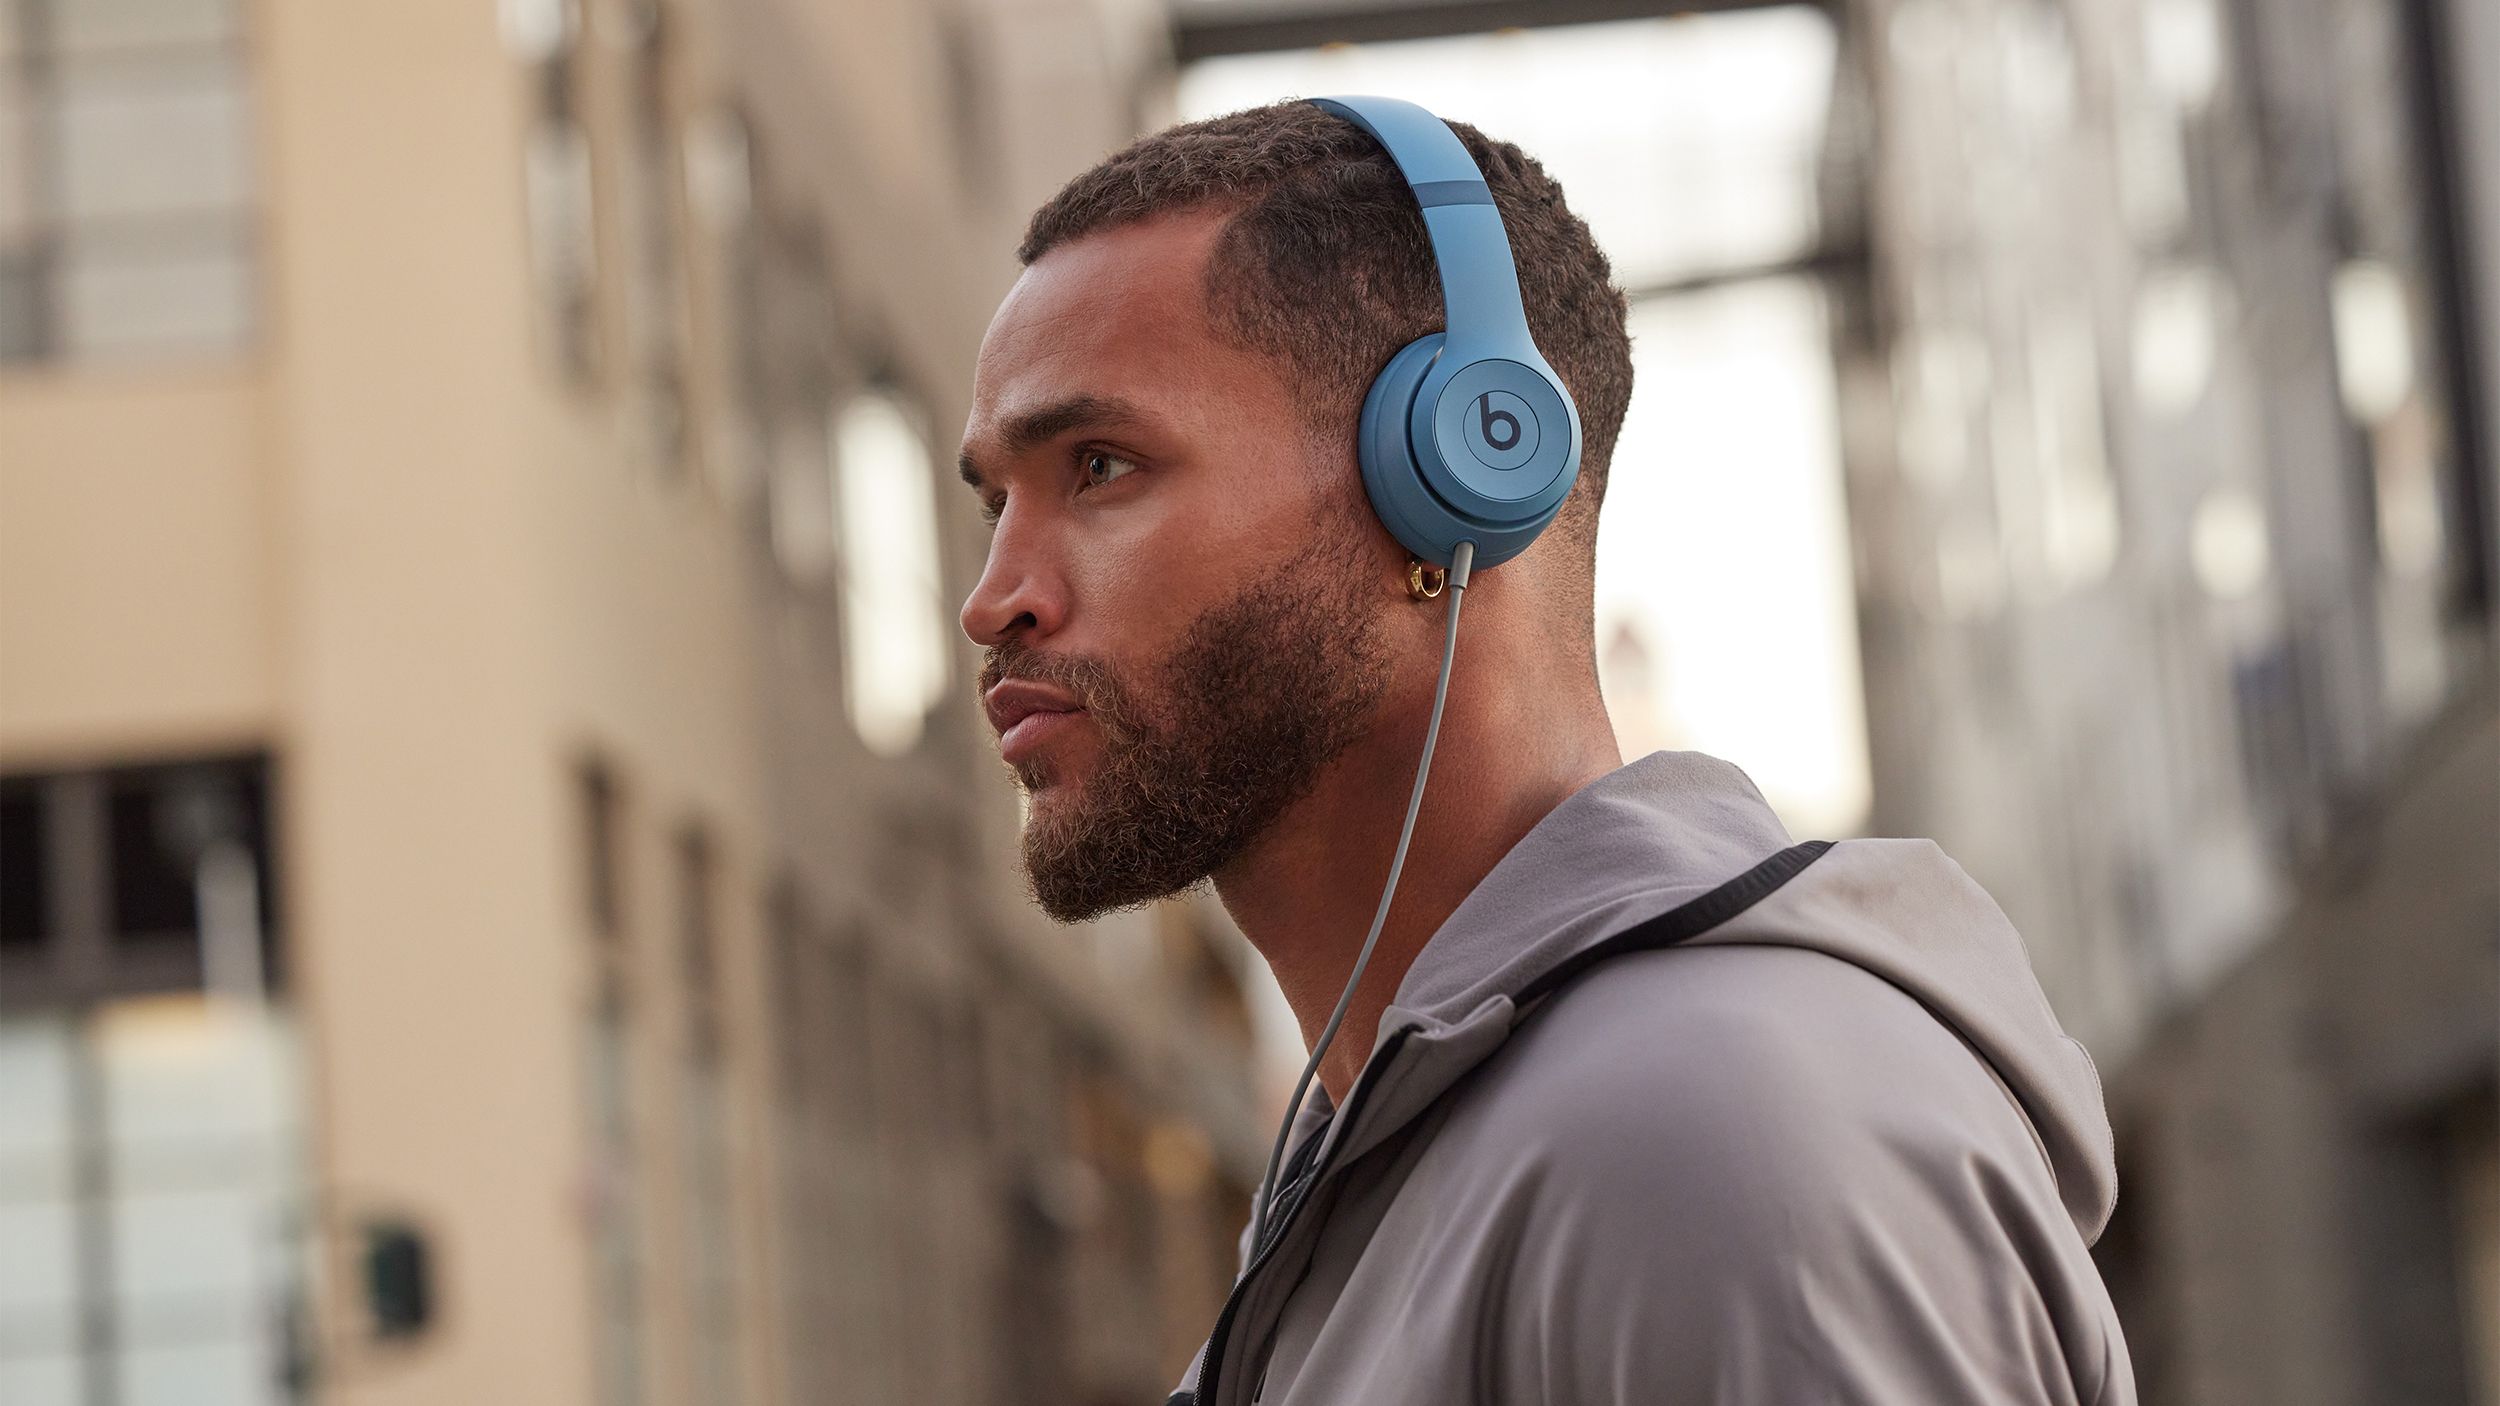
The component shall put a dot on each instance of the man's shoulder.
(1761, 1166)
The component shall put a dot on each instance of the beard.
(1261, 692)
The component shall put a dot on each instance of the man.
(1638, 1101)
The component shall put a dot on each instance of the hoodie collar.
(1626, 847)
(1658, 833)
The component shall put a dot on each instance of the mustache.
(1092, 682)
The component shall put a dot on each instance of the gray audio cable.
(1461, 559)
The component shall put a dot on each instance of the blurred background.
(505, 896)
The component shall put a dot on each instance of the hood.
(1663, 831)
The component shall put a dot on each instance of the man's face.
(1184, 594)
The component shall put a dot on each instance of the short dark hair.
(1325, 265)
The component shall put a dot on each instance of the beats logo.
(1502, 435)
(1501, 430)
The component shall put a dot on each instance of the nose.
(1019, 591)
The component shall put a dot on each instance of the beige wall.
(424, 810)
(138, 522)
(390, 544)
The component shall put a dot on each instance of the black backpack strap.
(1684, 921)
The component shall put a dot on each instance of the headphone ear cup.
(1385, 446)
(1514, 425)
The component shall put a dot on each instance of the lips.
(1025, 714)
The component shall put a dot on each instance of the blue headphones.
(1467, 435)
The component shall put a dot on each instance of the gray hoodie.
(1674, 1110)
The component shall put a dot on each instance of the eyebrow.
(1044, 423)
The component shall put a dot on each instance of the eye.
(1101, 467)
(992, 509)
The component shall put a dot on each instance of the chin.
(1057, 773)
(1050, 797)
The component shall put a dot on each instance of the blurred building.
(504, 895)
(2173, 488)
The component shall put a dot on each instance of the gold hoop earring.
(1425, 582)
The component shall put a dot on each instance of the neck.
(1305, 893)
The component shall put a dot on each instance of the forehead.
(1116, 314)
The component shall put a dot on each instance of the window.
(616, 1242)
(894, 656)
(720, 200)
(25, 898)
(712, 1255)
(607, 1061)
(126, 180)
(151, 1199)
(187, 844)
(2403, 423)
(151, 1160)
(785, 364)
(697, 940)
(785, 926)
(557, 177)
(105, 877)
(602, 876)
(656, 291)
(711, 1248)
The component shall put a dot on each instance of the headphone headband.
(1467, 438)
(1479, 284)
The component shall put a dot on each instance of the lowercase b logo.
(1500, 429)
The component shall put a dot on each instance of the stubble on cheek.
(1261, 692)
